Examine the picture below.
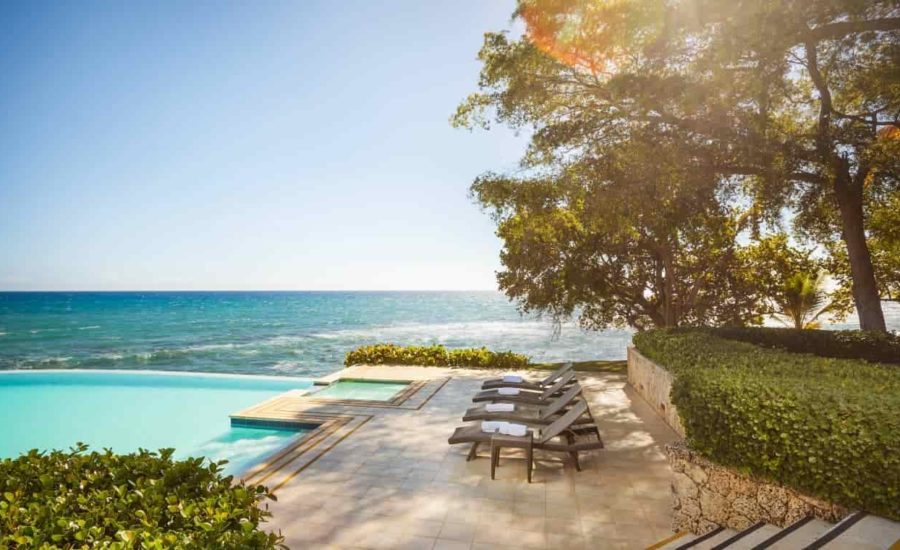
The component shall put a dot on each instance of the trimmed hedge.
(77, 499)
(827, 427)
(879, 347)
(434, 356)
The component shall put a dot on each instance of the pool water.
(357, 389)
(126, 411)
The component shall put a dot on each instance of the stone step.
(801, 536)
(856, 532)
(873, 530)
(712, 542)
(685, 540)
(752, 538)
(859, 532)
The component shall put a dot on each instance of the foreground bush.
(434, 356)
(879, 347)
(827, 427)
(140, 500)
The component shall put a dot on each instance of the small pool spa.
(367, 390)
(127, 410)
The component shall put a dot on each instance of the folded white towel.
(514, 429)
(515, 378)
(492, 426)
(499, 407)
(508, 391)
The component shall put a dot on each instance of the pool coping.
(198, 374)
(335, 420)
(280, 466)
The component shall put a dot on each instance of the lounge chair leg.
(575, 459)
(495, 459)
(472, 452)
(529, 460)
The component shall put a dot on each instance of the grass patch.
(616, 367)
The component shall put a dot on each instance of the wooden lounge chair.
(536, 415)
(527, 414)
(528, 397)
(539, 385)
(560, 436)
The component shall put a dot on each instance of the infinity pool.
(125, 411)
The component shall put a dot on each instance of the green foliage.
(879, 347)
(827, 427)
(767, 107)
(434, 356)
(81, 499)
(623, 242)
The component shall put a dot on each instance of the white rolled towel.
(499, 407)
(508, 391)
(514, 429)
(514, 378)
(492, 426)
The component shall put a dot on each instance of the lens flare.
(596, 36)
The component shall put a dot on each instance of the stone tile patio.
(396, 483)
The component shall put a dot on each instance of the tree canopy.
(718, 116)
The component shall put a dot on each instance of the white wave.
(285, 366)
(91, 327)
(3, 333)
(457, 330)
(53, 360)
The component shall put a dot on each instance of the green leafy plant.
(825, 426)
(81, 499)
(879, 347)
(434, 356)
(802, 300)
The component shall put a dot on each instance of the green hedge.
(434, 356)
(80, 499)
(879, 347)
(827, 427)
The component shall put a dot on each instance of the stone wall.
(654, 383)
(708, 494)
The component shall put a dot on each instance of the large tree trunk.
(865, 290)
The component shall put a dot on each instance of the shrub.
(825, 426)
(69, 499)
(434, 356)
(879, 347)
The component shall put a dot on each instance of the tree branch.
(844, 28)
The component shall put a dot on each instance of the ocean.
(302, 334)
(276, 333)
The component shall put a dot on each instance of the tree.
(789, 100)
(793, 280)
(803, 300)
(623, 242)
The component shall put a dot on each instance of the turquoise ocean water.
(277, 333)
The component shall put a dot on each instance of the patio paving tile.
(395, 483)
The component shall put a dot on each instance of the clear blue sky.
(244, 145)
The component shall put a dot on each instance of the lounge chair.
(539, 385)
(535, 415)
(563, 428)
(527, 414)
(525, 396)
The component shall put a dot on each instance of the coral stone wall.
(654, 383)
(708, 494)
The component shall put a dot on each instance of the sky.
(244, 145)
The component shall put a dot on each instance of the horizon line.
(253, 290)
